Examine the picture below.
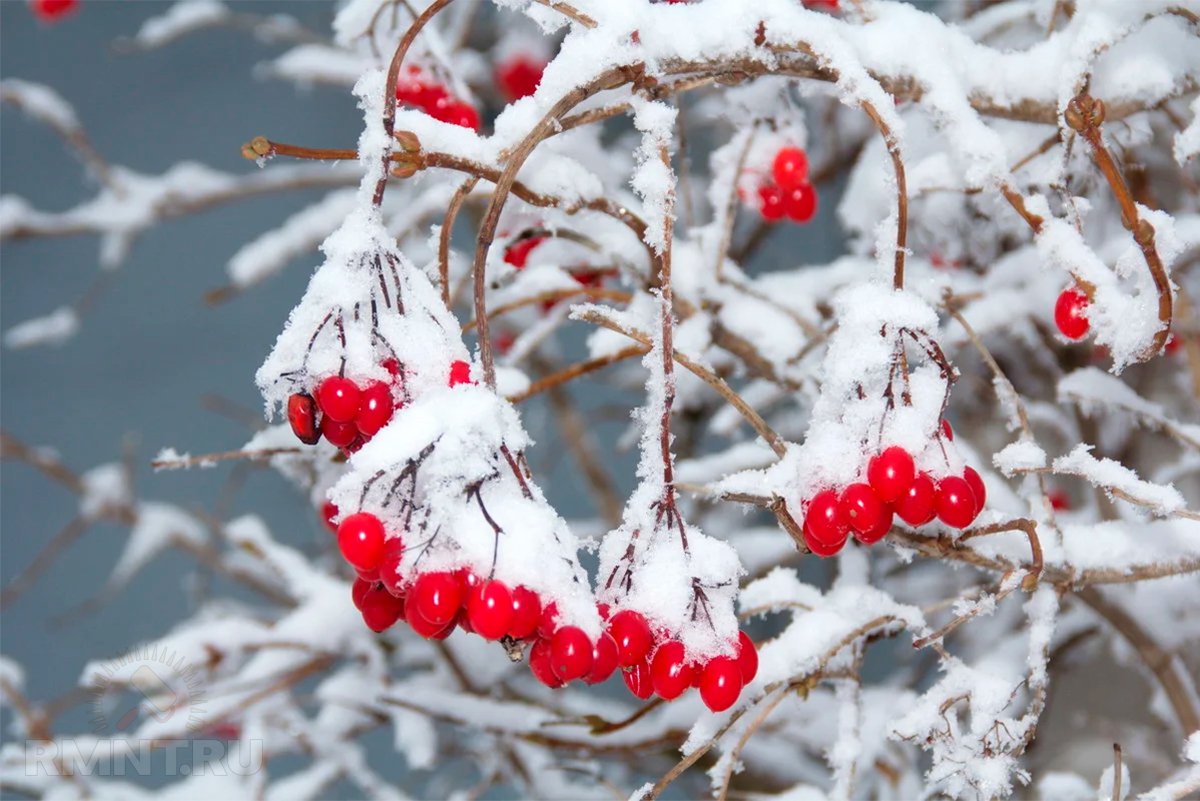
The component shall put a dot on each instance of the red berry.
(891, 473)
(368, 575)
(329, 511)
(669, 671)
(747, 657)
(825, 528)
(302, 415)
(570, 653)
(358, 589)
(462, 114)
(1070, 313)
(51, 10)
(604, 660)
(955, 502)
(770, 202)
(339, 398)
(360, 539)
(632, 635)
(720, 683)
(947, 431)
(541, 664)
(861, 508)
(1173, 345)
(490, 610)
(418, 623)
(604, 610)
(637, 679)
(392, 366)
(389, 566)
(975, 482)
(437, 597)
(548, 623)
(340, 435)
(1059, 500)
(800, 203)
(517, 254)
(919, 504)
(375, 409)
(527, 612)
(460, 373)
(380, 609)
(519, 76)
(790, 168)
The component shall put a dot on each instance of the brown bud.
(408, 141)
(404, 168)
(248, 152)
(261, 146)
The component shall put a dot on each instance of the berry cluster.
(519, 76)
(1070, 313)
(893, 488)
(435, 100)
(788, 193)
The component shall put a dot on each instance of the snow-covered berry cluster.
(417, 89)
(785, 192)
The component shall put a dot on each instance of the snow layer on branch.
(270, 251)
(179, 19)
(1112, 476)
(40, 102)
(1019, 456)
(54, 328)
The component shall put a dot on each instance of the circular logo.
(150, 683)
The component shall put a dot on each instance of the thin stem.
(893, 148)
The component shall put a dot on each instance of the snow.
(54, 328)
(179, 19)
(1112, 476)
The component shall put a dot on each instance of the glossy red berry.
(329, 511)
(417, 621)
(53, 10)
(360, 539)
(462, 114)
(517, 254)
(604, 659)
(861, 508)
(340, 435)
(637, 679)
(955, 502)
(375, 409)
(490, 610)
(975, 482)
(527, 613)
(747, 657)
(380, 609)
(632, 635)
(570, 653)
(371, 575)
(947, 431)
(1071, 314)
(339, 398)
(669, 671)
(770, 202)
(825, 529)
(891, 473)
(519, 76)
(358, 589)
(389, 566)
(800, 203)
(437, 597)
(541, 664)
(302, 416)
(720, 683)
(460, 373)
(790, 168)
(919, 504)
(548, 622)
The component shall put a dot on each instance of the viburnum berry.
(329, 511)
(517, 254)
(604, 659)
(540, 664)
(825, 529)
(800, 203)
(460, 373)
(302, 416)
(548, 622)
(490, 609)
(341, 435)
(339, 398)
(570, 653)
(720, 683)
(462, 114)
(975, 482)
(519, 76)
(918, 505)
(891, 473)
(604, 610)
(375, 409)
(371, 575)
(1070, 313)
(669, 671)
(861, 508)
(770, 202)
(747, 657)
(955, 502)
(389, 566)
(361, 540)
(637, 679)
(883, 524)
(1059, 500)
(790, 168)
(419, 624)
(437, 597)
(52, 10)
(632, 635)
(358, 589)
(380, 609)
(947, 431)
(1172, 346)
(527, 613)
